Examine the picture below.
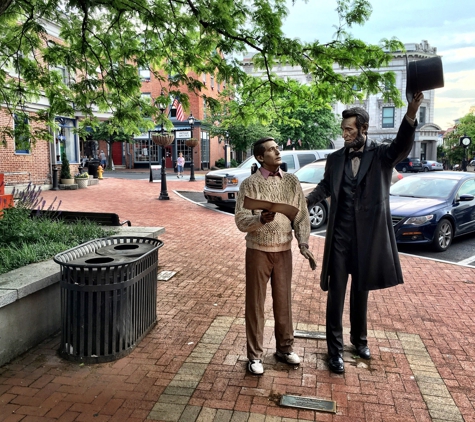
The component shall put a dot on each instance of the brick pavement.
(191, 366)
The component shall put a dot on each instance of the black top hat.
(423, 75)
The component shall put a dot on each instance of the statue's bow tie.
(354, 154)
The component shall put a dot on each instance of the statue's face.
(353, 137)
(271, 159)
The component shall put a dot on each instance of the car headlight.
(232, 181)
(419, 220)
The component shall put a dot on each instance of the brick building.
(37, 162)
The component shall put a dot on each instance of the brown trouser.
(260, 266)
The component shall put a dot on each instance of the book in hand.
(258, 204)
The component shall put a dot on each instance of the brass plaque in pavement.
(311, 403)
(319, 335)
(165, 275)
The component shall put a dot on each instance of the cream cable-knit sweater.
(275, 236)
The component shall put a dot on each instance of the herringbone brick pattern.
(422, 337)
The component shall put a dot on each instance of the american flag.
(180, 115)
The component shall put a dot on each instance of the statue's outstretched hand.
(308, 255)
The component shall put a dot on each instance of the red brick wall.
(154, 87)
(23, 168)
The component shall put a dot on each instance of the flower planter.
(163, 140)
(192, 142)
(67, 181)
(82, 182)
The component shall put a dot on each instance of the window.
(204, 150)
(468, 188)
(66, 139)
(388, 116)
(422, 115)
(289, 159)
(22, 142)
(203, 77)
(61, 69)
(186, 151)
(212, 82)
(144, 74)
(147, 98)
(305, 159)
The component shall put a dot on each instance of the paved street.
(191, 366)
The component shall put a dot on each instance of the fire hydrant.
(99, 172)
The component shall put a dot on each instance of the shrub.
(220, 163)
(65, 170)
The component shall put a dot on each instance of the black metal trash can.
(108, 297)
(92, 166)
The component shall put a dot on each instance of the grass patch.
(27, 240)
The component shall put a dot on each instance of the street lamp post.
(163, 188)
(150, 179)
(191, 122)
(465, 142)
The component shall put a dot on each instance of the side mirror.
(283, 166)
(466, 197)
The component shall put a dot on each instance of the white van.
(222, 186)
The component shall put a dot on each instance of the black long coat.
(377, 255)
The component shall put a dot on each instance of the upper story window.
(203, 77)
(212, 82)
(22, 142)
(388, 117)
(146, 97)
(64, 73)
(144, 74)
(422, 115)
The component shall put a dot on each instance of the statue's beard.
(356, 143)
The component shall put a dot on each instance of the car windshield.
(310, 174)
(424, 187)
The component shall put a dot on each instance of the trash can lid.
(94, 260)
(126, 249)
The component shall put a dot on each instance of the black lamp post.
(163, 188)
(465, 142)
(191, 122)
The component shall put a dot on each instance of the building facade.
(385, 117)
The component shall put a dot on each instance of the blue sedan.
(433, 208)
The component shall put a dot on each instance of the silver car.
(429, 165)
(309, 176)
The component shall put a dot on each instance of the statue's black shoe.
(363, 352)
(336, 365)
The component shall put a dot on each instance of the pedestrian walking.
(180, 164)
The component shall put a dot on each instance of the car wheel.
(443, 236)
(404, 169)
(425, 169)
(318, 216)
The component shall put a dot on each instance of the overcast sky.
(448, 25)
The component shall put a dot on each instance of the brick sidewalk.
(191, 367)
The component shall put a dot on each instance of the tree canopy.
(93, 65)
(454, 152)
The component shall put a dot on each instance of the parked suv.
(222, 186)
(410, 164)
